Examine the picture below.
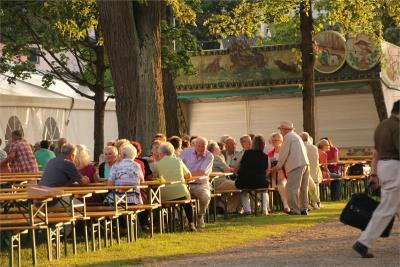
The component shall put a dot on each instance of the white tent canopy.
(51, 113)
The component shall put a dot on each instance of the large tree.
(178, 43)
(350, 17)
(64, 34)
(132, 34)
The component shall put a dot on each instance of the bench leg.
(151, 223)
(49, 244)
(182, 218)
(11, 250)
(215, 208)
(128, 224)
(255, 203)
(93, 237)
(111, 232)
(118, 233)
(160, 220)
(19, 248)
(74, 249)
(65, 241)
(58, 243)
(105, 233)
(99, 233)
(33, 236)
(14, 238)
(86, 237)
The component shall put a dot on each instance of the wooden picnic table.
(155, 190)
(16, 180)
(33, 209)
(20, 174)
(219, 174)
(194, 179)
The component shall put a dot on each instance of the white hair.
(166, 149)
(201, 139)
(128, 151)
(82, 156)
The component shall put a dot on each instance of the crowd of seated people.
(258, 164)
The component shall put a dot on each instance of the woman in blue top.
(110, 157)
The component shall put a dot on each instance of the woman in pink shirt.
(336, 186)
(333, 156)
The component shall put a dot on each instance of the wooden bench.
(172, 206)
(135, 209)
(224, 196)
(11, 235)
(53, 225)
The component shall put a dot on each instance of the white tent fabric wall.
(348, 119)
(391, 96)
(266, 114)
(212, 120)
(33, 105)
(32, 120)
(80, 129)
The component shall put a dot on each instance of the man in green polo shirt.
(43, 155)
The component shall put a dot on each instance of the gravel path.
(324, 245)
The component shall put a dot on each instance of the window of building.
(13, 124)
(51, 132)
(33, 55)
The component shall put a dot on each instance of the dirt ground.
(324, 245)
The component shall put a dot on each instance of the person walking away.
(385, 170)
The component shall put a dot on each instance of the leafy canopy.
(346, 16)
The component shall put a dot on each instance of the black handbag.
(358, 212)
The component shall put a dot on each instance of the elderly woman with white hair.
(174, 170)
(110, 157)
(126, 172)
(83, 163)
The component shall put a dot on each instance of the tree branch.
(37, 41)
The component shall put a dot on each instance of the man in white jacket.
(293, 157)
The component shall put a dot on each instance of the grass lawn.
(216, 236)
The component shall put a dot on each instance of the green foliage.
(207, 9)
(392, 35)
(283, 33)
(63, 33)
(176, 54)
(246, 17)
(184, 12)
(346, 16)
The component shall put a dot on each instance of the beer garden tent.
(50, 113)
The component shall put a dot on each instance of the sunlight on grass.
(220, 235)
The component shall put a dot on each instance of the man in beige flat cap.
(293, 157)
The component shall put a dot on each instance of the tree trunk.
(132, 39)
(307, 65)
(99, 103)
(99, 107)
(379, 99)
(170, 95)
(170, 104)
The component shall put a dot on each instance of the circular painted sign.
(362, 53)
(330, 51)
